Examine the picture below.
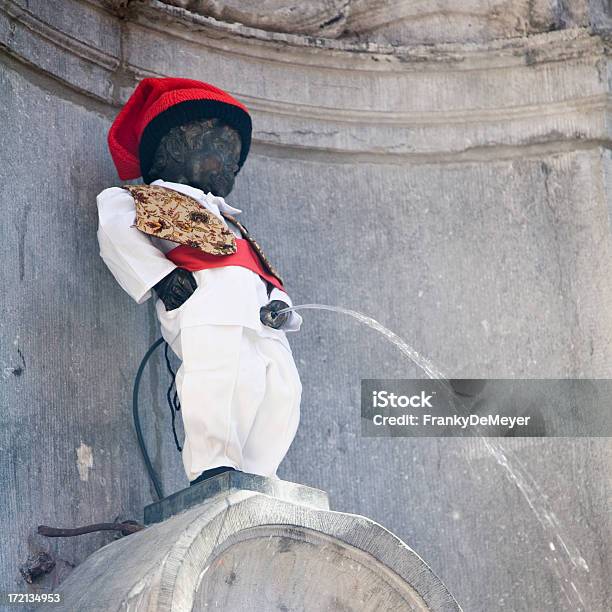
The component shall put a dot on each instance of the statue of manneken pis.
(218, 296)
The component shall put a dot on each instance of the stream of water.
(563, 556)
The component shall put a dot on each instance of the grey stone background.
(458, 192)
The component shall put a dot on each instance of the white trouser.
(240, 399)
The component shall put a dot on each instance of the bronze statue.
(219, 295)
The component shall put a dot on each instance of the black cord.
(173, 400)
(143, 449)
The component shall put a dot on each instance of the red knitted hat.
(158, 105)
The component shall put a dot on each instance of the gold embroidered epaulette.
(174, 216)
(255, 246)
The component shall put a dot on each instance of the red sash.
(192, 259)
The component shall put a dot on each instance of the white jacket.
(231, 295)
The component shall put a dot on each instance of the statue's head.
(204, 153)
(183, 131)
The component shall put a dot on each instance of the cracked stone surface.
(396, 22)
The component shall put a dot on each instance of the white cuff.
(294, 323)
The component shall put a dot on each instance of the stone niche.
(470, 139)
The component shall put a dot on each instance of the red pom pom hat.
(158, 105)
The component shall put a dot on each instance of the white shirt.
(231, 295)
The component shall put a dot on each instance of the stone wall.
(458, 192)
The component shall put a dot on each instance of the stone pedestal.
(242, 542)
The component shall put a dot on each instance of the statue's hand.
(269, 316)
(175, 288)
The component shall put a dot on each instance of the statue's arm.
(135, 263)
